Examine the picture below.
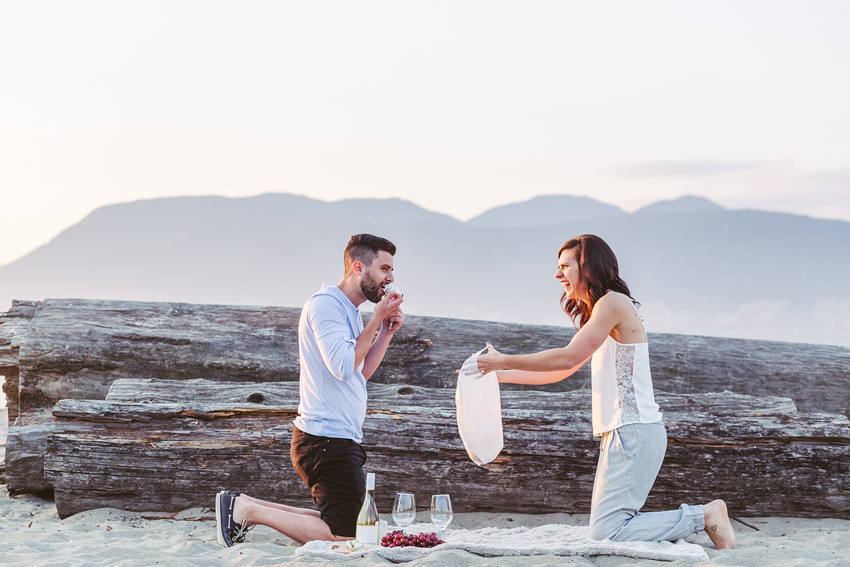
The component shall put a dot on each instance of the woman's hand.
(491, 361)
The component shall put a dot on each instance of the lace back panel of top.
(622, 385)
(624, 364)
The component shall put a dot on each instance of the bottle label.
(367, 534)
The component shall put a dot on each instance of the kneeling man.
(338, 355)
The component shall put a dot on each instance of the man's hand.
(490, 361)
(394, 321)
(388, 311)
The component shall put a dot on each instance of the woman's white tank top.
(622, 384)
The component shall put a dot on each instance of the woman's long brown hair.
(599, 273)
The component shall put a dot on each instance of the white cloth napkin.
(479, 412)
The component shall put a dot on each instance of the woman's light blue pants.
(629, 460)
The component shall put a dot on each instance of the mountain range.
(696, 267)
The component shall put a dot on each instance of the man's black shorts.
(333, 469)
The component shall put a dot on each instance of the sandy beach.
(32, 535)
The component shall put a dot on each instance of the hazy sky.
(456, 106)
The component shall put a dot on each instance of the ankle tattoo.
(713, 528)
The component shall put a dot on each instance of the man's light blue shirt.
(333, 392)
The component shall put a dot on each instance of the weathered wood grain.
(11, 386)
(25, 449)
(395, 396)
(14, 322)
(166, 457)
(76, 348)
(8, 358)
(28, 441)
(13, 326)
(4, 428)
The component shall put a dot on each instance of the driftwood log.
(763, 457)
(75, 349)
(13, 327)
(4, 427)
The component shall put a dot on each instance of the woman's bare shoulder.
(628, 328)
(614, 300)
(617, 306)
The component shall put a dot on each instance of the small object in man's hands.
(390, 288)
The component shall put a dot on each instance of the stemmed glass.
(441, 511)
(404, 509)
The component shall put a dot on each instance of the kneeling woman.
(625, 414)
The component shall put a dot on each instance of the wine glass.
(441, 511)
(404, 509)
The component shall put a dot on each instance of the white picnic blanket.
(552, 539)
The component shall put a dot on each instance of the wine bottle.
(367, 520)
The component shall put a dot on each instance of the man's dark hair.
(364, 247)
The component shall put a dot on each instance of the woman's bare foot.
(717, 525)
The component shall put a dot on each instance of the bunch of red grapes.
(399, 539)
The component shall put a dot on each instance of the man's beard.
(370, 288)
